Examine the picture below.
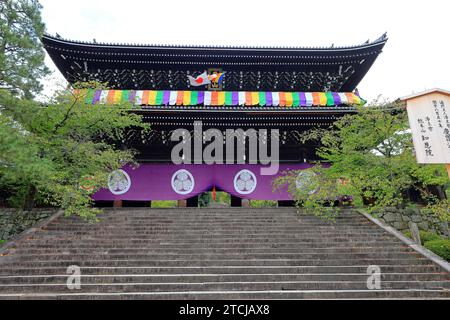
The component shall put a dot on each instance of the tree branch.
(66, 117)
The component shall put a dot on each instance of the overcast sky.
(415, 58)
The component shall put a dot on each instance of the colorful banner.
(219, 98)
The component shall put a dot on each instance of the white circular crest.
(183, 182)
(119, 182)
(304, 179)
(245, 182)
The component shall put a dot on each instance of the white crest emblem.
(304, 179)
(245, 182)
(183, 182)
(119, 182)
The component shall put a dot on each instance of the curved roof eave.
(380, 41)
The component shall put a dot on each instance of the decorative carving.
(257, 80)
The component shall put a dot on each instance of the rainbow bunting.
(187, 98)
(218, 98)
(289, 99)
(295, 99)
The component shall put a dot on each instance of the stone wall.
(399, 219)
(13, 222)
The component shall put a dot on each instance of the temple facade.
(275, 93)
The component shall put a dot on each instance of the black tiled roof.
(125, 66)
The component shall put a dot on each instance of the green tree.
(21, 52)
(371, 157)
(20, 166)
(50, 152)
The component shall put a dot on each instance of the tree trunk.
(441, 193)
(30, 198)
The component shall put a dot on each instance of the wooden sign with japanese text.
(429, 119)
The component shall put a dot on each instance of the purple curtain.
(175, 182)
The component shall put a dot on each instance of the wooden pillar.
(448, 169)
(117, 204)
(245, 203)
(182, 203)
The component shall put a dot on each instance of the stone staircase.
(220, 253)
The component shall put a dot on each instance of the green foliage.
(425, 236)
(20, 164)
(50, 152)
(164, 204)
(263, 203)
(223, 197)
(21, 52)
(204, 199)
(434, 242)
(312, 189)
(440, 209)
(2, 241)
(428, 236)
(440, 247)
(372, 152)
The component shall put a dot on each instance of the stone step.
(128, 212)
(211, 213)
(214, 233)
(215, 238)
(212, 218)
(215, 242)
(210, 232)
(224, 277)
(222, 286)
(218, 219)
(222, 227)
(239, 224)
(311, 270)
(210, 262)
(217, 253)
(249, 220)
(135, 212)
(167, 216)
(210, 244)
(215, 219)
(242, 295)
(209, 256)
(151, 250)
(205, 246)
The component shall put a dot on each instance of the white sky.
(415, 58)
